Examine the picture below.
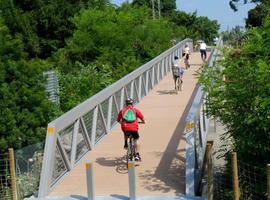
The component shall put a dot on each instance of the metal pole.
(215, 125)
(268, 181)
(90, 183)
(12, 173)
(153, 9)
(209, 172)
(236, 194)
(132, 181)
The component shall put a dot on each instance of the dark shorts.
(134, 134)
(175, 77)
(186, 56)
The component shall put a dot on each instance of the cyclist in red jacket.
(128, 117)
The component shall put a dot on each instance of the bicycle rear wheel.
(130, 151)
(180, 84)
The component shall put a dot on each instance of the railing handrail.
(72, 124)
(195, 154)
(90, 103)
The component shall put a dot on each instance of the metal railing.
(197, 124)
(76, 132)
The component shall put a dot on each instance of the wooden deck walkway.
(162, 170)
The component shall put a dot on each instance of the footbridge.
(173, 140)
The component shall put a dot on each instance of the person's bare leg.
(137, 148)
(125, 141)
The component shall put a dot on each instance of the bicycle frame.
(178, 84)
(131, 152)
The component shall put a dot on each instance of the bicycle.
(131, 149)
(178, 84)
(187, 65)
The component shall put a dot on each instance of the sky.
(217, 10)
(213, 9)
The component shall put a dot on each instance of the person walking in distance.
(177, 72)
(186, 56)
(128, 117)
(203, 50)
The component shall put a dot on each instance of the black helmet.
(175, 57)
(129, 101)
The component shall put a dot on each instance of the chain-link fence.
(233, 178)
(5, 178)
(28, 168)
(252, 182)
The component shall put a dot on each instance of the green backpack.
(129, 116)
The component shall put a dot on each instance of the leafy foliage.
(166, 6)
(234, 3)
(239, 96)
(43, 25)
(191, 26)
(90, 44)
(106, 45)
(23, 100)
(234, 37)
(256, 15)
(79, 85)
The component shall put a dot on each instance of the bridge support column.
(132, 181)
(90, 183)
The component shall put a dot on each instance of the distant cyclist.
(186, 56)
(177, 71)
(128, 117)
(203, 50)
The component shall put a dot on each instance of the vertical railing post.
(94, 126)
(131, 95)
(12, 173)
(268, 181)
(209, 171)
(140, 88)
(48, 161)
(158, 72)
(90, 182)
(147, 81)
(74, 143)
(109, 116)
(153, 77)
(169, 63)
(215, 125)
(122, 99)
(236, 193)
(132, 181)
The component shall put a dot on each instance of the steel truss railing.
(76, 132)
(197, 124)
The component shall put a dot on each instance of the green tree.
(24, 107)
(207, 29)
(166, 6)
(239, 96)
(256, 16)
(43, 25)
(79, 85)
(112, 42)
(234, 3)
(234, 37)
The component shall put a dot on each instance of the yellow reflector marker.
(50, 130)
(130, 165)
(88, 165)
(190, 125)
